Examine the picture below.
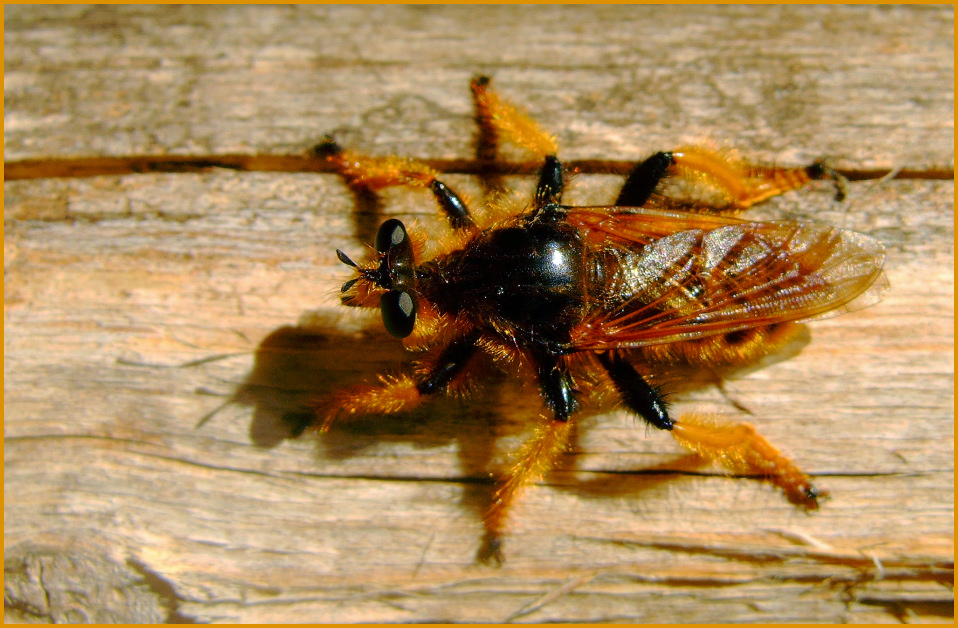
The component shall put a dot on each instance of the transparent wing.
(676, 276)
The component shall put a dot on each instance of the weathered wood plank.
(136, 305)
(790, 83)
(106, 317)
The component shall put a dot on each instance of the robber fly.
(592, 298)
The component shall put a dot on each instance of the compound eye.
(392, 234)
(399, 312)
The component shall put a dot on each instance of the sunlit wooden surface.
(137, 305)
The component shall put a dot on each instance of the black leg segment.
(549, 189)
(821, 170)
(557, 386)
(635, 391)
(640, 184)
(451, 362)
(455, 209)
(327, 148)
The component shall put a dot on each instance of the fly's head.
(395, 274)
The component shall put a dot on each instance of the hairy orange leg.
(400, 393)
(497, 118)
(741, 449)
(743, 184)
(535, 458)
(391, 395)
(376, 173)
(487, 140)
(740, 348)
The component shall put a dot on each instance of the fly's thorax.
(530, 277)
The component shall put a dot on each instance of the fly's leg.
(635, 391)
(369, 173)
(744, 184)
(740, 184)
(736, 446)
(741, 449)
(539, 453)
(822, 170)
(487, 137)
(556, 384)
(497, 120)
(549, 188)
(500, 120)
(536, 457)
(643, 179)
(740, 348)
(398, 393)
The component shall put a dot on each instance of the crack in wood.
(894, 568)
(82, 167)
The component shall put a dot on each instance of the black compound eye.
(396, 257)
(392, 234)
(399, 312)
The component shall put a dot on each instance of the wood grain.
(138, 305)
